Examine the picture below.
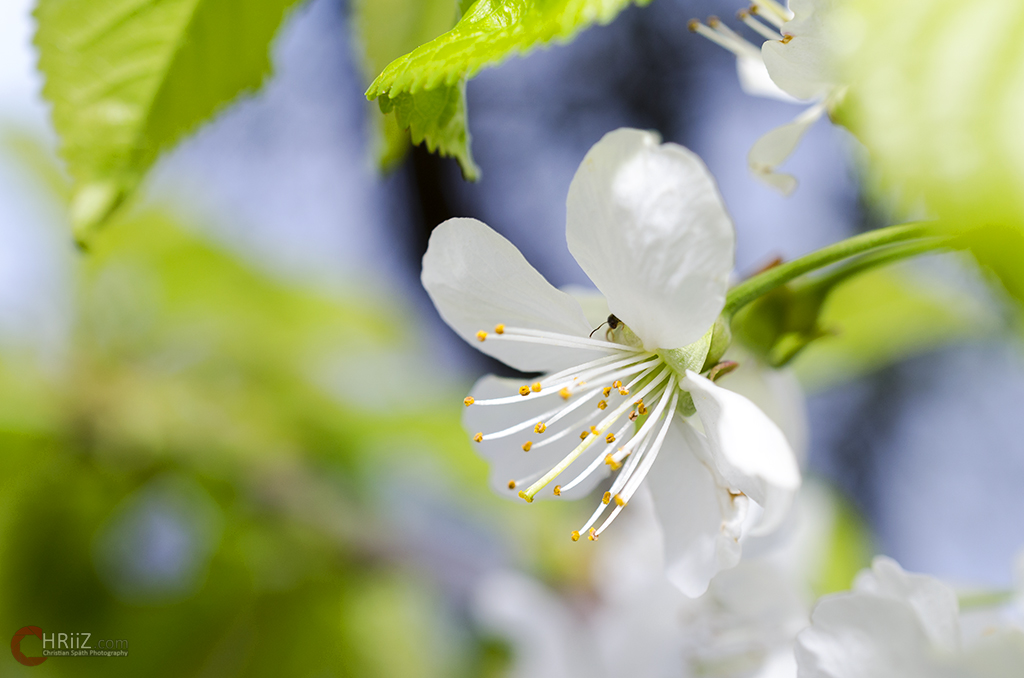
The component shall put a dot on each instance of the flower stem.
(762, 283)
(880, 257)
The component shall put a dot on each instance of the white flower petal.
(647, 224)
(803, 66)
(506, 456)
(997, 655)
(755, 81)
(701, 522)
(593, 303)
(749, 450)
(772, 149)
(777, 393)
(863, 636)
(478, 279)
(934, 602)
(546, 637)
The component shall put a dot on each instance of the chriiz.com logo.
(66, 645)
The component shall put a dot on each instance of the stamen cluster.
(625, 399)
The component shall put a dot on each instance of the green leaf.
(940, 117)
(489, 32)
(885, 315)
(387, 29)
(128, 78)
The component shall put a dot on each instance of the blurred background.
(230, 432)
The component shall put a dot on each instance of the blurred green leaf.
(425, 87)
(386, 30)
(127, 79)
(937, 95)
(237, 439)
(884, 315)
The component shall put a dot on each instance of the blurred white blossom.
(902, 625)
(632, 622)
(793, 64)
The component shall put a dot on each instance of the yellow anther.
(575, 535)
(786, 39)
(593, 429)
(642, 409)
(565, 393)
(601, 404)
(607, 391)
(527, 445)
(540, 427)
(610, 438)
(536, 387)
(713, 21)
(511, 484)
(619, 501)
(692, 25)
(606, 498)
(623, 391)
(525, 497)
(524, 390)
(584, 434)
(468, 400)
(592, 536)
(481, 335)
(499, 329)
(478, 438)
(616, 384)
(610, 460)
(558, 490)
(633, 415)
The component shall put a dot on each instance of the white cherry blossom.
(792, 64)
(894, 624)
(646, 223)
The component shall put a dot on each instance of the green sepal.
(690, 357)
(777, 326)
